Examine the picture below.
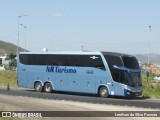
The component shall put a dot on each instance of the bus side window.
(24, 59)
(100, 66)
(96, 62)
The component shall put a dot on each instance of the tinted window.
(113, 60)
(130, 62)
(63, 60)
(37, 59)
(117, 75)
(23, 58)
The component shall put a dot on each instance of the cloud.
(57, 14)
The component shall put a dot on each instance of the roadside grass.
(150, 89)
(8, 77)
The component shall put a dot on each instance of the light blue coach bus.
(102, 73)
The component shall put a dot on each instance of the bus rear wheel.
(103, 92)
(48, 88)
(38, 87)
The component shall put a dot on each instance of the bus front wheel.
(48, 87)
(103, 92)
(38, 87)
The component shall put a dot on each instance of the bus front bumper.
(134, 93)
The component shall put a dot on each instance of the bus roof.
(66, 52)
(79, 53)
(116, 54)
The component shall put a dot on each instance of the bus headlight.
(126, 88)
(128, 93)
(129, 89)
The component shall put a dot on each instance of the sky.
(97, 25)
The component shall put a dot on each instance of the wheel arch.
(38, 81)
(103, 86)
(50, 83)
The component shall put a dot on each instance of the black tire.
(38, 87)
(103, 92)
(48, 88)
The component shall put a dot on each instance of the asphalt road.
(140, 103)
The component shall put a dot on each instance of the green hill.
(6, 47)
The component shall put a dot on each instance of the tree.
(12, 62)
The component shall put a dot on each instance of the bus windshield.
(134, 79)
(122, 76)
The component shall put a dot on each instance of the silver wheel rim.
(103, 92)
(38, 87)
(48, 88)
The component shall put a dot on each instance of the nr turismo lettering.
(56, 69)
